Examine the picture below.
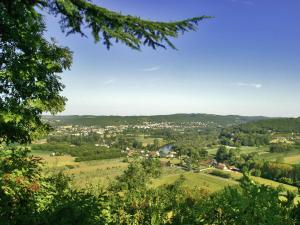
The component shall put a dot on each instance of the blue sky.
(244, 61)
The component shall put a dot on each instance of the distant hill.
(209, 119)
(285, 125)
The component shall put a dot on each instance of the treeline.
(281, 172)
(284, 125)
(209, 119)
(281, 147)
(244, 136)
(252, 163)
(90, 138)
(258, 132)
(82, 152)
(118, 141)
(193, 138)
(27, 196)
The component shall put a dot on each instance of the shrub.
(286, 180)
(280, 148)
(220, 173)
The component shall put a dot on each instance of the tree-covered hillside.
(210, 119)
(258, 132)
(277, 125)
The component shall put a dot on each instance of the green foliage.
(90, 138)
(250, 204)
(83, 152)
(137, 175)
(286, 180)
(296, 214)
(73, 207)
(225, 154)
(29, 64)
(220, 173)
(281, 148)
(285, 173)
(106, 25)
(28, 197)
(244, 135)
(20, 187)
(284, 125)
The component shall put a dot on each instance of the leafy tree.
(20, 187)
(138, 173)
(281, 147)
(27, 196)
(30, 64)
(250, 204)
(222, 154)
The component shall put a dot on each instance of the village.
(78, 130)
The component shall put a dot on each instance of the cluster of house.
(222, 166)
(77, 130)
(163, 152)
(172, 125)
(166, 152)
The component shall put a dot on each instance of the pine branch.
(109, 27)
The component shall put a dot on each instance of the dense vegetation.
(255, 165)
(244, 135)
(285, 125)
(29, 197)
(281, 147)
(82, 153)
(220, 173)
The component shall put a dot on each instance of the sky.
(244, 61)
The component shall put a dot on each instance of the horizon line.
(170, 114)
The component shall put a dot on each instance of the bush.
(220, 173)
(286, 180)
(280, 148)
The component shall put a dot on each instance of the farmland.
(100, 173)
(95, 155)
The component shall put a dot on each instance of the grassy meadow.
(96, 172)
(149, 140)
(243, 150)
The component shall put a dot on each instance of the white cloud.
(150, 69)
(253, 85)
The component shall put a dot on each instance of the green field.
(149, 140)
(195, 180)
(243, 150)
(292, 157)
(236, 176)
(102, 172)
(96, 172)
(248, 149)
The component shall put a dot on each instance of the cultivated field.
(96, 172)
(148, 140)
(100, 173)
